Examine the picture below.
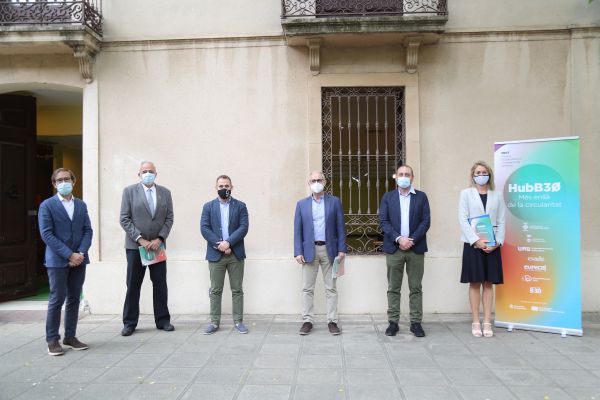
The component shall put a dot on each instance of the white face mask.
(481, 180)
(403, 182)
(317, 187)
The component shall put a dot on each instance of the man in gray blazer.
(146, 218)
(224, 224)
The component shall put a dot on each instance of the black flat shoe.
(127, 331)
(167, 327)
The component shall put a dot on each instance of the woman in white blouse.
(481, 262)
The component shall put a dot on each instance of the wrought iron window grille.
(361, 8)
(363, 138)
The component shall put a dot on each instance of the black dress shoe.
(127, 331)
(167, 327)
(392, 329)
(417, 329)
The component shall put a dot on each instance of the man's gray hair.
(316, 172)
(147, 162)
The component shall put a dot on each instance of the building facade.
(266, 91)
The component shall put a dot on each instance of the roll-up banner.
(541, 252)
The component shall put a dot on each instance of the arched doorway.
(40, 130)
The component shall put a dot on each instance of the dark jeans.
(135, 276)
(65, 283)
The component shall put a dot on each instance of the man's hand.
(300, 259)
(341, 255)
(228, 251)
(223, 246)
(155, 244)
(405, 243)
(145, 243)
(75, 260)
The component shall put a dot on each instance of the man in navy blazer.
(66, 230)
(224, 225)
(405, 218)
(319, 237)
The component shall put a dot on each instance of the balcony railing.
(361, 8)
(52, 12)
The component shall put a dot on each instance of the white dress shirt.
(69, 205)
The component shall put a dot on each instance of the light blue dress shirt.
(225, 218)
(405, 212)
(318, 213)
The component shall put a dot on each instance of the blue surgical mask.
(481, 180)
(403, 182)
(64, 188)
(148, 178)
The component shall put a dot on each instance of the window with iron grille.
(363, 141)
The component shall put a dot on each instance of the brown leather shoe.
(55, 349)
(74, 343)
(306, 328)
(333, 328)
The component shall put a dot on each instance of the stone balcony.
(52, 27)
(355, 23)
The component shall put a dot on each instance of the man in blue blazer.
(319, 237)
(405, 219)
(66, 230)
(224, 225)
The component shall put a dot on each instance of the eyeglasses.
(61, 180)
(316, 181)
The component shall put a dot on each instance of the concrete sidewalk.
(274, 362)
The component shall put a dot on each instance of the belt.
(319, 243)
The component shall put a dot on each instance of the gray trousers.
(309, 278)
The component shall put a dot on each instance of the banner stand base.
(511, 326)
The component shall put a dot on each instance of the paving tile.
(231, 360)
(155, 391)
(92, 359)
(507, 361)
(316, 376)
(584, 393)
(223, 375)
(540, 392)
(157, 348)
(362, 348)
(429, 393)
(370, 392)
(47, 390)
(186, 360)
(522, 377)
(414, 361)
(568, 378)
(320, 392)
(472, 377)
(77, 374)
(275, 361)
(104, 391)
(238, 348)
(265, 392)
(280, 348)
(125, 375)
(553, 361)
(421, 377)
(30, 374)
(172, 375)
(145, 360)
(322, 348)
(366, 361)
(9, 390)
(486, 393)
(210, 391)
(458, 361)
(320, 361)
(271, 376)
(370, 376)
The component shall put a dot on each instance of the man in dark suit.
(146, 218)
(405, 218)
(224, 224)
(319, 237)
(66, 230)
